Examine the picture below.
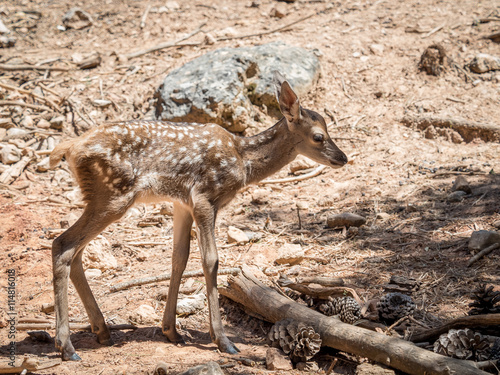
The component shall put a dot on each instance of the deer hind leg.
(66, 260)
(204, 215)
(183, 222)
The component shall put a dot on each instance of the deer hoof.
(174, 337)
(72, 357)
(227, 346)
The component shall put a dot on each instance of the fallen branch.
(483, 253)
(73, 326)
(321, 280)
(27, 364)
(462, 322)
(22, 104)
(12, 68)
(164, 45)
(316, 171)
(322, 292)
(167, 276)
(403, 355)
(467, 129)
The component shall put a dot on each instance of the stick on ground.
(167, 276)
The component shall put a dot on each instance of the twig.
(73, 105)
(316, 171)
(15, 170)
(396, 323)
(484, 320)
(145, 16)
(270, 31)
(167, 276)
(22, 104)
(433, 31)
(74, 326)
(344, 88)
(22, 91)
(483, 253)
(164, 45)
(358, 120)
(11, 68)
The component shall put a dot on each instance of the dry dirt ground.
(397, 178)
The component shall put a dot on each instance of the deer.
(198, 167)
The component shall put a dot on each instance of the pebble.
(456, 196)
(345, 219)
(235, 235)
(17, 133)
(483, 238)
(377, 49)
(211, 368)
(10, 154)
(290, 254)
(43, 124)
(260, 196)
(97, 255)
(92, 273)
(43, 165)
(57, 122)
(144, 314)
(27, 122)
(277, 360)
(461, 184)
(190, 304)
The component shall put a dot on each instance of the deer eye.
(318, 138)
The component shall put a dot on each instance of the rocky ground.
(399, 177)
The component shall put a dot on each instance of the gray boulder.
(221, 86)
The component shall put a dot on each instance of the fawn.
(200, 167)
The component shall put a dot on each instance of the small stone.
(496, 224)
(10, 154)
(190, 304)
(144, 314)
(483, 238)
(57, 122)
(302, 205)
(43, 124)
(235, 235)
(17, 133)
(377, 49)
(211, 368)
(47, 308)
(167, 209)
(461, 184)
(456, 196)
(260, 196)
(209, 39)
(483, 63)
(77, 19)
(27, 122)
(277, 360)
(43, 165)
(97, 255)
(93, 273)
(290, 254)
(345, 219)
(141, 256)
(172, 5)
(328, 200)
(383, 216)
(307, 366)
(300, 164)
(278, 11)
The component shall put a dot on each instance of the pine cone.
(296, 339)
(394, 306)
(347, 308)
(463, 344)
(484, 301)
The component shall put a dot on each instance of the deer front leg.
(205, 223)
(183, 222)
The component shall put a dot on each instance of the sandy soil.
(397, 178)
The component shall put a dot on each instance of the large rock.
(221, 86)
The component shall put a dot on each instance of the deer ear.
(289, 102)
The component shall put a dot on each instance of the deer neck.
(267, 152)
